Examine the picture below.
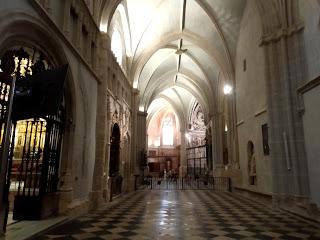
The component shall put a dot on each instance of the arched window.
(116, 46)
(167, 131)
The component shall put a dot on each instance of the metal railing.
(186, 183)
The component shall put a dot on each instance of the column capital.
(278, 34)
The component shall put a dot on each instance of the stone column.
(141, 144)
(183, 154)
(101, 133)
(209, 146)
(134, 123)
(133, 165)
(285, 70)
(229, 116)
(125, 167)
(66, 181)
(217, 143)
(106, 183)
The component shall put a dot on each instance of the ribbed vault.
(179, 51)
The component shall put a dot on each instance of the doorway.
(34, 132)
(114, 151)
(114, 163)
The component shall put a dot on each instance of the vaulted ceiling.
(180, 50)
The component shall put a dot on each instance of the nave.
(189, 214)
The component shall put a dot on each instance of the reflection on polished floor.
(185, 215)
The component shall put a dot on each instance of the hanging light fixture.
(180, 51)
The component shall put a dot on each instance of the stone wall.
(310, 92)
(66, 31)
(311, 119)
(309, 11)
(251, 99)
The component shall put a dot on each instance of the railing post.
(229, 180)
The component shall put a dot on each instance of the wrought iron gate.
(33, 160)
(197, 162)
(6, 96)
(36, 172)
(187, 183)
(34, 163)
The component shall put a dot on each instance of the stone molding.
(281, 33)
(262, 111)
(304, 89)
(309, 85)
(47, 18)
(240, 123)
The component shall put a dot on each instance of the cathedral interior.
(159, 119)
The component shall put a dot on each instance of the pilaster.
(96, 195)
(66, 180)
(183, 154)
(217, 145)
(284, 71)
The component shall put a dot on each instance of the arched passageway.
(114, 151)
(36, 115)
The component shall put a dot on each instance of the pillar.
(66, 181)
(101, 130)
(285, 70)
(217, 145)
(141, 140)
(183, 154)
(135, 106)
(106, 183)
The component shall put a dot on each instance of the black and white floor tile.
(189, 214)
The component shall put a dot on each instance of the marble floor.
(188, 214)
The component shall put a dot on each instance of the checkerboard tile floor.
(189, 214)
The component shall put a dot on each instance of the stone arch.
(213, 52)
(120, 20)
(108, 9)
(199, 92)
(29, 31)
(119, 24)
